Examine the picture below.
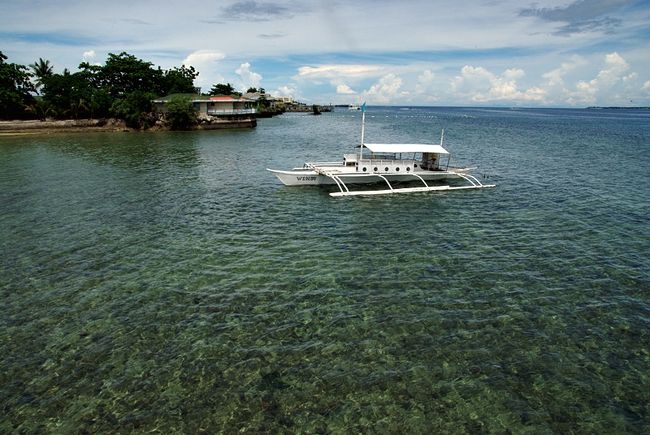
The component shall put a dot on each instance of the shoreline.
(34, 127)
(26, 127)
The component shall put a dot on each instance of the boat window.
(408, 169)
(397, 169)
(386, 169)
(365, 169)
(376, 169)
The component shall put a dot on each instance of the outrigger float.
(384, 163)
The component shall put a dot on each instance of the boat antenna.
(363, 127)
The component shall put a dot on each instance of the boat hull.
(301, 178)
(307, 177)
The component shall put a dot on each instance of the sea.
(165, 282)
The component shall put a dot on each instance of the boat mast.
(363, 127)
(442, 137)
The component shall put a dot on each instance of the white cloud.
(513, 74)
(205, 62)
(357, 44)
(339, 71)
(535, 93)
(556, 77)
(338, 75)
(616, 66)
(89, 55)
(249, 78)
(482, 86)
(630, 77)
(426, 89)
(344, 89)
(201, 57)
(426, 77)
(646, 86)
(424, 82)
(285, 91)
(385, 90)
(587, 92)
(471, 78)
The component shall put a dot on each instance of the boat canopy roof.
(405, 148)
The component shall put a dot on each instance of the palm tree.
(42, 69)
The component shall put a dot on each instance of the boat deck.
(384, 164)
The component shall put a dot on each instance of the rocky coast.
(19, 127)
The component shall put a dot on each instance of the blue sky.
(555, 53)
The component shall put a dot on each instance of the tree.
(92, 74)
(123, 74)
(135, 109)
(123, 87)
(179, 80)
(221, 89)
(180, 113)
(263, 105)
(251, 91)
(100, 104)
(42, 109)
(75, 95)
(68, 95)
(41, 69)
(15, 89)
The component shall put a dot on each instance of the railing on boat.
(231, 112)
(312, 165)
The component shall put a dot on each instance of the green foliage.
(180, 113)
(179, 80)
(251, 90)
(123, 74)
(135, 109)
(41, 70)
(68, 95)
(100, 104)
(123, 87)
(263, 104)
(221, 89)
(15, 90)
(42, 109)
(92, 74)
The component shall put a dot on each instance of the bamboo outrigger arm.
(474, 183)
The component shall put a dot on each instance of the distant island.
(620, 107)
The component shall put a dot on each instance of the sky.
(511, 53)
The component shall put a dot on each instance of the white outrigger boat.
(384, 163)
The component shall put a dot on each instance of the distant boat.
(383, 163)
(354, 107)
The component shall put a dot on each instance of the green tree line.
(123, 87)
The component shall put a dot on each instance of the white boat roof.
(405, 148)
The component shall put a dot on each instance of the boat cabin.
(376, 162)
(398, 158)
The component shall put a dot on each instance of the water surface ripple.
(166, 282)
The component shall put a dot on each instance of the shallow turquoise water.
(166, 282)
